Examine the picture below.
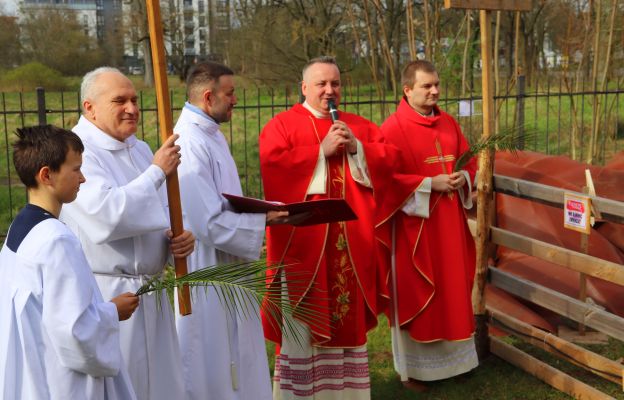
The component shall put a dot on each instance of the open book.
(319, 211)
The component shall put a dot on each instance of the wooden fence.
(584, 313)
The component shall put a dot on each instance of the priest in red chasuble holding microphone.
(422, 225)
(306, 154)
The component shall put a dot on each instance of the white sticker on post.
(576, 212)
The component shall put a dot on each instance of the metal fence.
(561, 122)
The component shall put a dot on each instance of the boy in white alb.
(58, 338)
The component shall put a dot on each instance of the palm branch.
(242, 290)
(502, 141)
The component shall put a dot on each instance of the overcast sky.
(8, 6)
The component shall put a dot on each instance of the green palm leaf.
(502, 141)
(241, 289)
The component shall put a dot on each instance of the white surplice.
(58, 338)
(442, 359)
(120, 217)
(224, 358)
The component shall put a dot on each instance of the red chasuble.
(337, 261)
(435, 256)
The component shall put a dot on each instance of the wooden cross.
(486, 158)
(165, 120)
(489, 5)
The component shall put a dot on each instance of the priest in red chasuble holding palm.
(434, 253)
(305, 154)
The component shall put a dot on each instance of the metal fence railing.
(561, 122)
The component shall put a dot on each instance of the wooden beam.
(610, 210)
(561, 348)
(593, 266)
(567, 306)
(506, 5)
(545, 372)
(485, 189)
(165, 120)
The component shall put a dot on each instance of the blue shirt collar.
(199, 112)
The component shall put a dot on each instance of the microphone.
(333, 111)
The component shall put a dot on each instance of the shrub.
(28, 76)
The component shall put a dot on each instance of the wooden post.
(484, 186)
(582, 276)
(165, 120)
(486, 158)
(591, 190)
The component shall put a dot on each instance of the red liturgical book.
(320, 211)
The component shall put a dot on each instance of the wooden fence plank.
(561, 348)
(610, 210)
(507, 5)
(576, 261)
(567, 306)
(545, 372)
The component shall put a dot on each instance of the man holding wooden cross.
(425, 237)
(121, 218)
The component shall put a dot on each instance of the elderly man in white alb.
(121, 218)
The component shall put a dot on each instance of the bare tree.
(41, 32)
(592, 152)
(468, 38)
(179, 26)
(10, 42)
(136, 26)
(411, 29)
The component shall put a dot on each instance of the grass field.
(494, 379)
(548, 115)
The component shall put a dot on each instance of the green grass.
(550, 119)
(12, 199)
(494, 379)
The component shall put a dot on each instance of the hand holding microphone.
(339, 134)
(333, 111)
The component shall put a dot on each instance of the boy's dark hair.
(408, 77)
(40, 146)
(202, 74)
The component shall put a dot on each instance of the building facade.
(191, 27)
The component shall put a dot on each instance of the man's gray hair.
(87, 86)
(319, 60)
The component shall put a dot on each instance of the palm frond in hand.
(241, 288)
(502, 141)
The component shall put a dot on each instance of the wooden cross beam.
(165, 120)
(496, 5)
(485, 189)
